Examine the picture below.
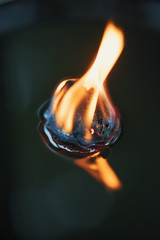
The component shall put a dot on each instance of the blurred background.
(42, 195)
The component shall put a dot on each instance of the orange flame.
(101, 170)
(67, 101)
(65, 107)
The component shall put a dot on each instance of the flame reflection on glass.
(81, 119)
(100, 169)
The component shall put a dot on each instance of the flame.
(68, 99)
(66, 103)
(100, 169)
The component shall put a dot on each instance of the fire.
(65, 104)
(81, 118)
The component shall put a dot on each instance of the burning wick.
(80, 121)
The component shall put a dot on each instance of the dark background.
(42, 195)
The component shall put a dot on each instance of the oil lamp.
(80, 121)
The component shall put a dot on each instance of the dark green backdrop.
(45, 197)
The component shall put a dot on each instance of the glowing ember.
(81, 120)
